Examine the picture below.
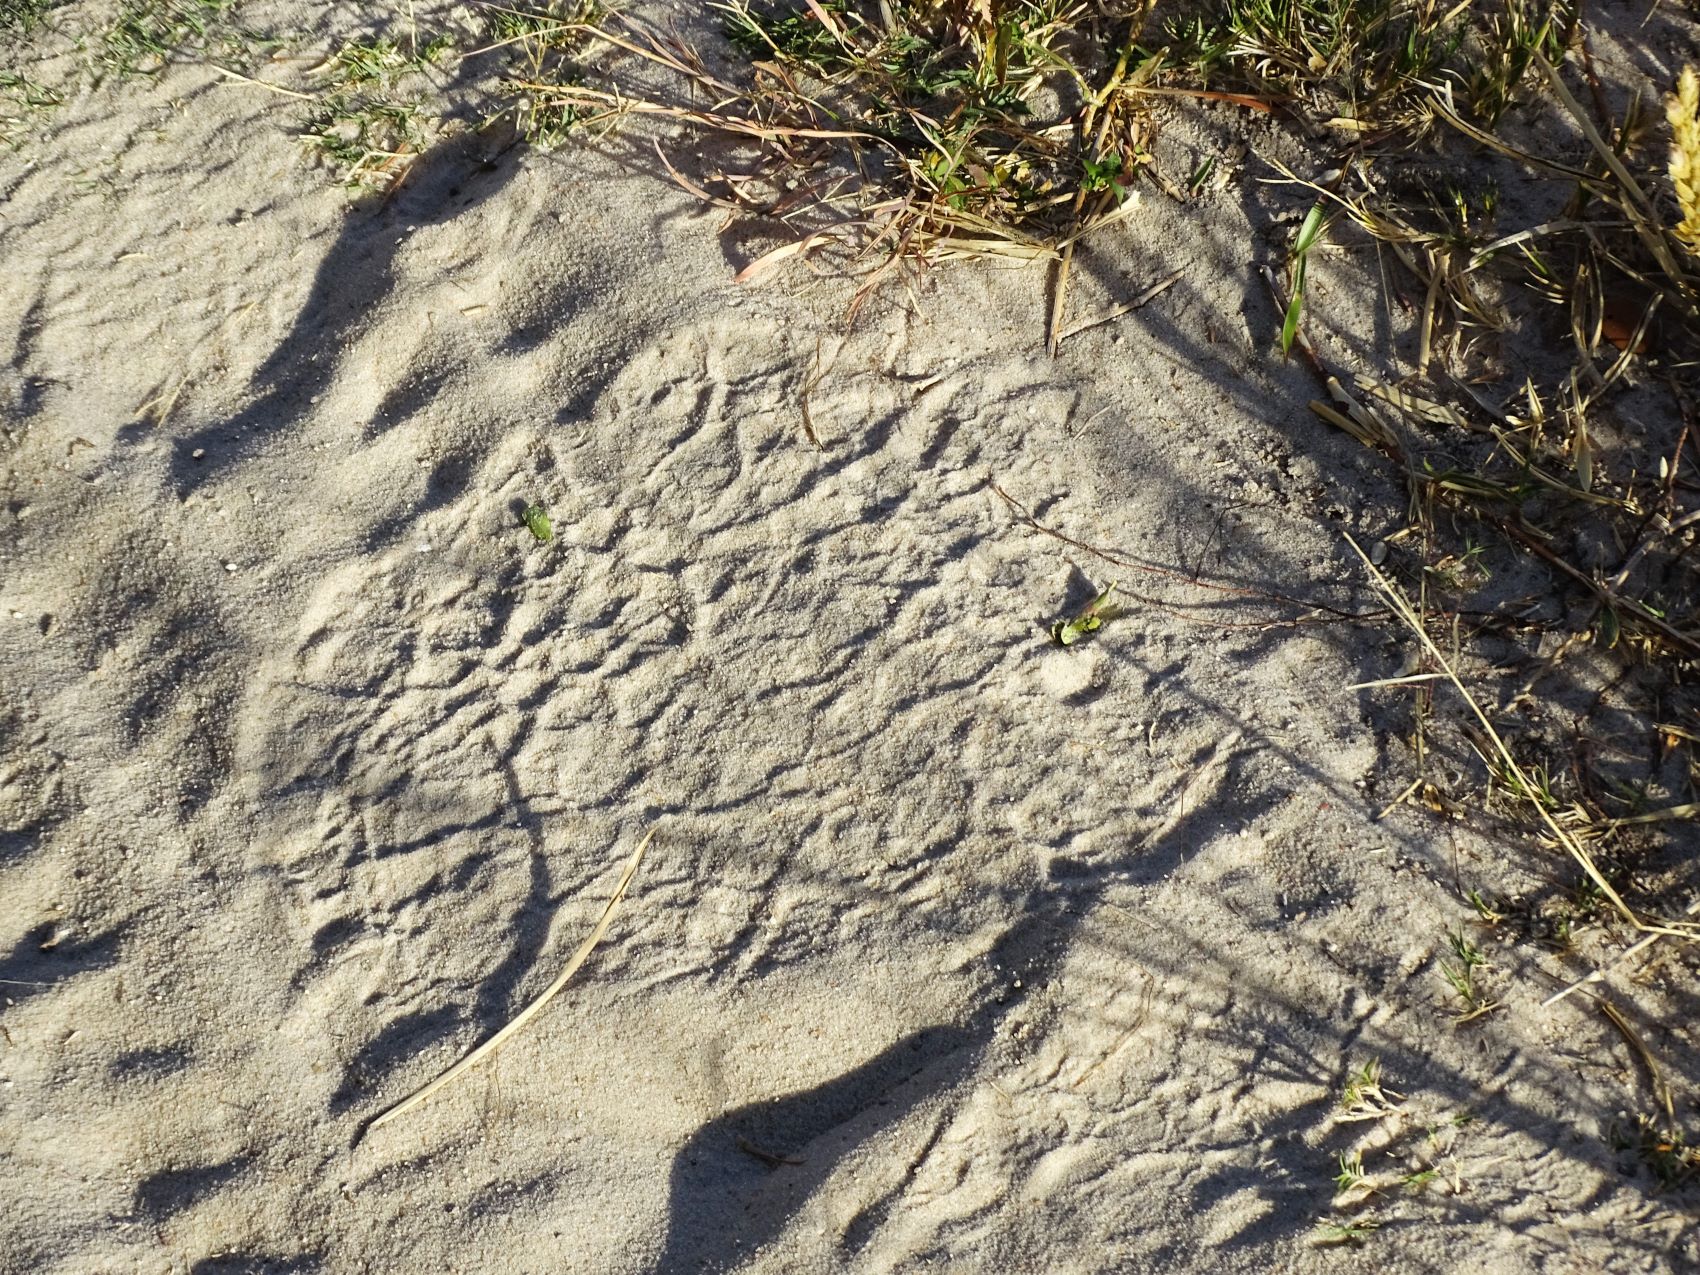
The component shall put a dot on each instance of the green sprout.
(1351, 1175)
(1090, 619)
(1345, 1232)
(1315, 222)
(537, 521)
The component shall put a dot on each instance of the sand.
(953, 950)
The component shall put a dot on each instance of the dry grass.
(1683, 112)
(537, 1005)
(897, 137)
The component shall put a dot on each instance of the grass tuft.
(905, 133)
(22, 16)
(368, 125)
(148, 32)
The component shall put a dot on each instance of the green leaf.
(1103, 173)
(1315, 222)
(537, 520)
(1290, 324)
(1090, 619)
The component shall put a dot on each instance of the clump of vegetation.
(546, 45)
(1088, 620)
(1364, 1098)
(369, 124)
(906, 132)
(1461, 975)
(22, 16)
(1369, 68)
(21, 101)
(1412, 1156)
(148, 32)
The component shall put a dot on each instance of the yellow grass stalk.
(1682, 108)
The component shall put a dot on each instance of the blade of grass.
(531, 1011)
(1314, 223)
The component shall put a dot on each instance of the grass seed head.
(1683, 110)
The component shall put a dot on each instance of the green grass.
(1460, 975)
(544, 47)
(1368, 67)
(23, 15)
(22, 102)
(1364, 1098)
(147, 33)
(1008, 129)
(1351, 1232)
(371, 121)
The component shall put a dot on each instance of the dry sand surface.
(953, 950)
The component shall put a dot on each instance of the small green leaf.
(1315, 222)
(1103, 173)
(1090, 619)
(1311, 231)
(537, 520)
(1609, 628)
(1290, 324)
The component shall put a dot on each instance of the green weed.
(21, 16)
(148, 32)
(1351, 1176)
(907, 131)
(1089, 619)
(368, 127)
(1364, 1098)
(1353, 1232)
(547, 43)
(1310, 234)
(536, 519)
(22, 100)
(1461, 977)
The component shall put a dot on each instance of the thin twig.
(1144, 298)
(1635, 948)
(1561, 834)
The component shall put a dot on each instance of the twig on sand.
(262, 84)
(1565, 838)
(536, 1007)
(1150, 294)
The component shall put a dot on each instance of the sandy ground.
(953, 951)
